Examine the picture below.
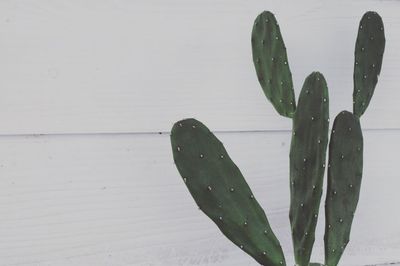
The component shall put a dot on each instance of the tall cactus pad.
(272, 67)
(221, 192)
(344, 181)
(370, 46)
(307, 163)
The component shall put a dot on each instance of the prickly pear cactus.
(344, 182)
(370, 46)
(307, 163)
(271, 63)
(221, 192)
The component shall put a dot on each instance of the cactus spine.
(219, 188)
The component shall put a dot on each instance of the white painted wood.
(118, 200)
(138, 66)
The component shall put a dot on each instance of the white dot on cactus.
(251, 196)
(301, 204)
(276, 38)
(178, 148)
(180, 124)
(285, 63)
(358, 149)
(280, 101)
(365, 76)
(312, 118)
(258, 60)
(267, 20)
(328, 120)
(363, 104)
(381, 28)
(245, 223)
(272, 59)
(291, 103)
(317, 78)
(329, 226)
(356, 63)
(264, 253)
(184, 179)
(294, 133)
(307, 91)
(265, 232)
(340, 220)
(306, 233)
(304, 159)
(315, 215)
(333, 250)
(292, 183)
(362, 48)
(323, 165)
(349, 128)
(319, 141)
(373, 65)
(333, 131)
(281, 262)
(372, 38)
(369, 17)
(231, 189)
(194, 126)
(329, 165)
(241, 246)
(313, 187)
(334, 192)
(342, 156)
(351, 185)
(201, 155)
(361, 27)
(209, 188)
(324, 100)
(221, 156)
(220, 218)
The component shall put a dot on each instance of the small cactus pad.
(344, 181)
(221, 192)
(307, 163)
(370, 46)
(272, 66)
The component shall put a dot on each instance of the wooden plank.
(138, 66)
(118, 200)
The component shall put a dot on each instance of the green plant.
(219, 188)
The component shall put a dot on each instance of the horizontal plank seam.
(383, 264)
(166, 132)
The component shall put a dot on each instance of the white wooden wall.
(87, 86)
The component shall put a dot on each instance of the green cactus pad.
(307, 163)
(271, 63)
(221, 192)
(370, 46)
(344, 181)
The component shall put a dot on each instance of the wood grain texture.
(119, 200)
(138, 66)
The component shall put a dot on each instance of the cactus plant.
(370, 46)
(271, 63)
(307, 163)
(221, 192)
(219, 188)
(344, 182)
